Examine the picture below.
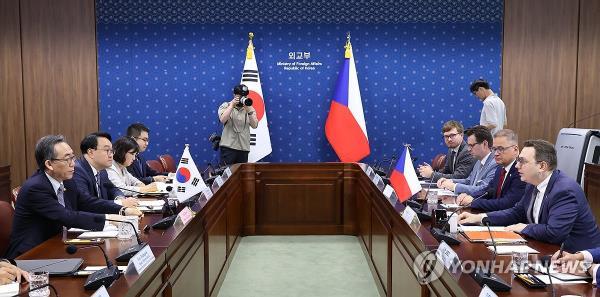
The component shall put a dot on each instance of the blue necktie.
(60, 194)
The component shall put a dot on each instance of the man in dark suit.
(459, 162)
(90, 170)
(553, 209)
(140, 133)
(583, 263)
(49, 200)
(506, 188)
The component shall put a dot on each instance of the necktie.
(500, 181)
(98, 185)
(452, 160)
(60, 194)
(531, 205)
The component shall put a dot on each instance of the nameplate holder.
(370, 173)
(141, 261)
(377, 179)
(206, 193)
(411, 218)
(388, 191)
(487, 292)
(217, 183)
(448, 256)
(227, 173)
(184, 216)
(101, 292)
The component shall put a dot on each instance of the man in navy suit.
(49, 200)
(479, 141)
(90, 170)
(140, 133)
(553, 209)
(507, 188)
(581, 263)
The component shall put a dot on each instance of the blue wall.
(170, 64)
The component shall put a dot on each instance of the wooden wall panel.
(539, 66)
(12, 125)
(59, 70)
(588, 66)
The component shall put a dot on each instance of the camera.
(215, 140)
(243, 91)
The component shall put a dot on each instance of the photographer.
(237, 116)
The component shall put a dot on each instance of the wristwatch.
(586, 265)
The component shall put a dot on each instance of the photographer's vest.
(236, 131)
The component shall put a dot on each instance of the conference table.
(287, 199)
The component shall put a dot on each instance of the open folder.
(53, 266)
(499, 236)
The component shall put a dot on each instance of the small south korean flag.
(188, 181)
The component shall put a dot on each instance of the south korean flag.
(188, 181)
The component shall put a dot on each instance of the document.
(442, 192)
(509, 249)
(107, 227)
(544, 278)
(480, 228)
(98, 234)
(9, 289)
(537, 266)
(499, 236)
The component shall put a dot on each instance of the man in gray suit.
(479, 141)
(459, 162)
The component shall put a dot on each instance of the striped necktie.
(60, 194)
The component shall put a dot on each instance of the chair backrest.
(13, 197)
(438, 162)
(6, 219)
(155, 165)
(168, 163)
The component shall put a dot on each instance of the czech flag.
(345, 127)
(404, 178)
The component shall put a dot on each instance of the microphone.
(103, 277)
(483, 277)
(546, 263)
(167, 221)
(26, 293)
(130, 252)
(442, 234)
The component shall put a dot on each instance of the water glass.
(520, 262)
(36, 280)
(125, 230)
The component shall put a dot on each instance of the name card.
(185, 216)
(377, 179)
(370, 172)
(219, 181)
(227, 173)
(448, 256)
(411, 218)
(101, 292)
(388, 191)
(207, 193)
(141, 260)
(487, 292)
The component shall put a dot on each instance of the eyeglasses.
(522, 161)
(108, 151)
(450, 136)
(68, 160)
(500, 149)
(472, 145)
(146, 140)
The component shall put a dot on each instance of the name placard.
(388, 191)
(101, 292)
(227, 173)
(370, 172)
(140, 261)
(185, 216)
(487, 292)
(207, 193)
(447, 256)
(219, 181)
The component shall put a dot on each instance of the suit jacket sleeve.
(464, 166)
(509, 198)
(81, 182)
(95, 205)
(45, 205)
(478, 186)
(510, 216)
(561, 217)
(595, 254)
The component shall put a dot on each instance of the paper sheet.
(107, 227)
(555, 281)
(480, 228)
(509, 249)
(9, 289)
(555, 274)
(98, 234)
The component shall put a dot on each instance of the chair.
(13, 197)
(438, 162)
(168, 163)
(155, 165)
(6, 219)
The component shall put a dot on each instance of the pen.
(562, 247)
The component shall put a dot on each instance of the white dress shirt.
(537, 205)
(121, 178)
